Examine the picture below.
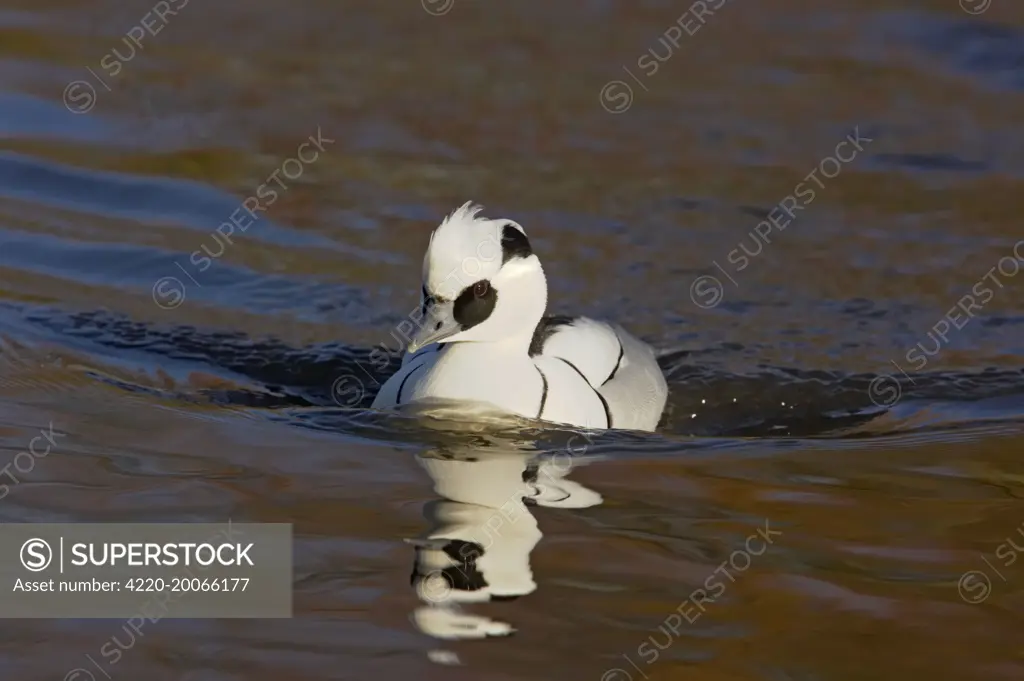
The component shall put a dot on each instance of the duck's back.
(620, 368)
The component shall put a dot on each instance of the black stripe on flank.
(622, 351)
(398, 399)
(607, 409)
(604, 402)
(543, 395)
(562, 498)
(426, 350)
(546, 328)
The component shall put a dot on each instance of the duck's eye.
(480, 288)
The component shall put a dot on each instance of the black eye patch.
(470, 309)
(425, 303)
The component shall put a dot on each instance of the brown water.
(187, 389)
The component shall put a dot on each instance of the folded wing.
(620, 367)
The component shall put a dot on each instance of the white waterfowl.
(484, 339)
(482, 533)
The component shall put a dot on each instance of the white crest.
(464, 249)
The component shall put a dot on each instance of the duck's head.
(481, 282)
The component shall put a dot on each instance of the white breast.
(579, 372)
(469, 372)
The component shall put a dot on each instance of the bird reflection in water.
(482, 532)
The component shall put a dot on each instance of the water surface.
(846, 380)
